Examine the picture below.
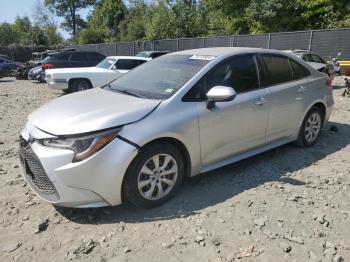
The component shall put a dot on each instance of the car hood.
(77, 70)
(317, 66)
(89, 111)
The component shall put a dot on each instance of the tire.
(142, 188)
(79, 85)
(311, 128)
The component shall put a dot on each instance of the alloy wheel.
(312, 127)
(157, 176)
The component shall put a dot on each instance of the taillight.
(47, 66)
(329, 82)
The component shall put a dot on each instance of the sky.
(9, 9)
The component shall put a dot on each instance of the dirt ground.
(288, 204)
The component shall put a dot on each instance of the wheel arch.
(178, 145)
(321, 105)
(71, 80)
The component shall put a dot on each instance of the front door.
(233, 127)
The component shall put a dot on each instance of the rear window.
(299, 71)
(277, 70)
(126, 64)
(95, 57)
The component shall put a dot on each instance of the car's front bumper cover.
(94, 182)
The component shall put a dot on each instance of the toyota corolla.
(179, 115)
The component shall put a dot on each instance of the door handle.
(302, 89)
(261, 101)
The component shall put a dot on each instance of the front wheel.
(310, 128)
(80, 85)
(154, 175)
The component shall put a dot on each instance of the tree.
(8, 35)
(91, 36)
(68, 9)
(107, 16)
(44, 19)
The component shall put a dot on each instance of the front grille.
(35, 173)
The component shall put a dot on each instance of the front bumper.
(93, 182)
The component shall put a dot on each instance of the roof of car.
(219, 51)
(129, 57)
(154, 52)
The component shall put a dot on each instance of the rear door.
(287, 94)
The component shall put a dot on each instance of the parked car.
(78, 79)
(8, 67)
(179, 115)
(36, 74)
(316, 61)
(68, 59)
(36, 60)
(152, 54)
(5, 57)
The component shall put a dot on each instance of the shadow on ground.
(219, 185)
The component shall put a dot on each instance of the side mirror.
(114, 67)
(220, 94)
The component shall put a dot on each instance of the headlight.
(84, 146)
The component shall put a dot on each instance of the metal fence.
(327, 43)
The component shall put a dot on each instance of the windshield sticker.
(169, 90)
(202, 57)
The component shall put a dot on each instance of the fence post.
(269, 42)
(310, 40)
(177, 44)
(133, 48)
(232, 41)
(116, 48)
(203, 42)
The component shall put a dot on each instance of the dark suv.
(72, 59)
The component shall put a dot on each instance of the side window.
(317, 59)
(126, 64)
(299, 71)
(239, 73)
(277, 70)
(1, 61)
(60, 56)
(78, 57)
(307, 58)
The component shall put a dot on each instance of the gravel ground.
(288, 204)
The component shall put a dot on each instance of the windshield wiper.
(124, 91)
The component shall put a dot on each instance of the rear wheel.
(311, 128)
(80, 85)
(153, 176)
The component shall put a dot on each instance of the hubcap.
(312, 127)
(83, 85)
(157, 177)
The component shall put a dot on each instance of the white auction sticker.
(202, 57)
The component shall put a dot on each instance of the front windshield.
(159, 78)
(106, 63)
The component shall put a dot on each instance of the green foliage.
(23, 33)
(91, 36)
(68, 9)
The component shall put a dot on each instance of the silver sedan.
(179, 115)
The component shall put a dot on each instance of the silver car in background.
(179, 115)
